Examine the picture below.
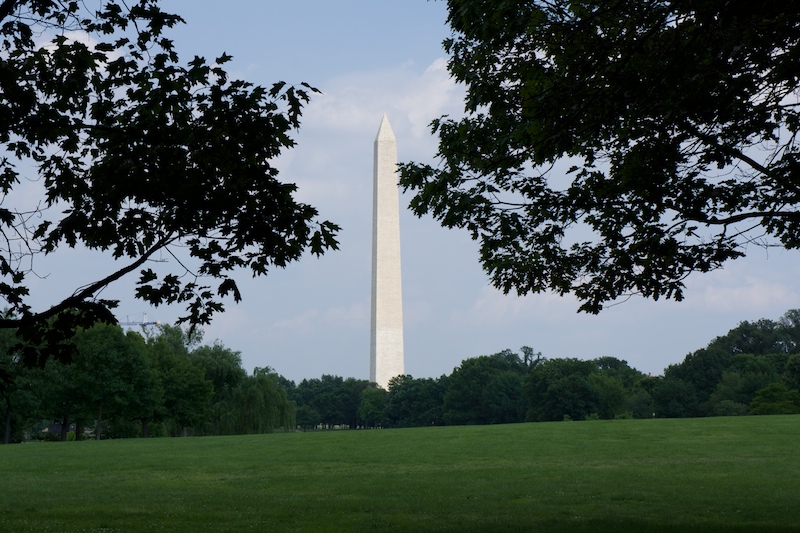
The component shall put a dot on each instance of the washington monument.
(386, 329)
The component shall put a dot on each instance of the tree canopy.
(614, 147)
(133, 152)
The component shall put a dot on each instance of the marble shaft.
(386, 330)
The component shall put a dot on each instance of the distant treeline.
(124, 384)
(754, 369)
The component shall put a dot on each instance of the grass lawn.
(716, 474)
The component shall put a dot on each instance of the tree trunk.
(64, 427)
(99, 419)
(7, 438)
(78, 429)
(145, 424)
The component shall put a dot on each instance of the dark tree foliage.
(257, 404)
(776, 399)
(16, 391)
(504, 399)
(604, 388)
(675, 398)
(745, 359)
(614, 147)
(559, 387)
(611, 394)
(571, 397)
(763, 336)
(736, 390)
(123, 385)
(110, 377)
(486, 390)
(703, 369)
(639, 403)
(223, 367)
(140, 155)
(373, 406)
(59, 395)
(355, 391)
(187, 393)
(620, 370)
(414, 402)
(330, 400)
(791, 372)
(307, 417)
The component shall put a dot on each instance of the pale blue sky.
(371, 57)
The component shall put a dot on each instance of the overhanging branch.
(746, 216)
(730, 151)
(6, 7)
(87, 291)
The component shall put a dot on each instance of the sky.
(370, 57)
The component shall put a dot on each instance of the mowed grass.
(716, 474)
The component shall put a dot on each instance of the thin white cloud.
(332, 163)
(748, 294)
(411, 97)
(440, 96)
(492, 307)
(352, 316)
(313, 320)
(302, 322)
(757, 283)
(234, 322)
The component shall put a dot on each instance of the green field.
(713, 474)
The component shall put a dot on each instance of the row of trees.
(492, 389)
(124, 384)
(754, 369)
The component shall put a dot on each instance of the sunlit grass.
(720, 474)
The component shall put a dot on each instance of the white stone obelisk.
(386, 331)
